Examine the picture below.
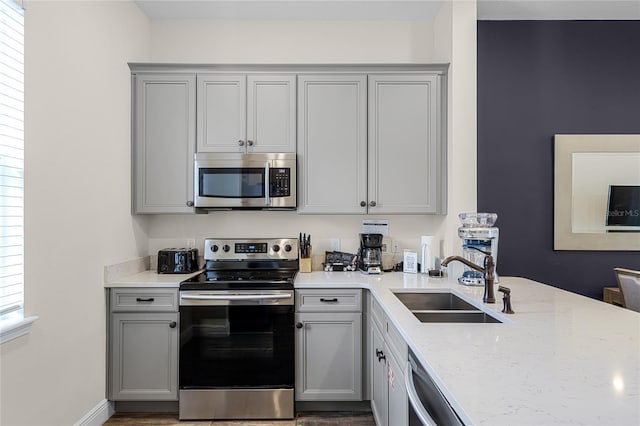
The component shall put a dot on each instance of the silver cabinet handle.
(236, 296)
(241, 143)
(372, 204)
(414, 400)
(250, 143)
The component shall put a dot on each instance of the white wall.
(210, 41)
(77, 202)
(78, 168)
(205, 41)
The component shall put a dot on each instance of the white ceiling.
(386, 9)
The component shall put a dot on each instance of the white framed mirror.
(591, 171)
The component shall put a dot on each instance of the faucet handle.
(506, 299)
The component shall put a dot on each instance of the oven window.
(236, 347)
(232, 182)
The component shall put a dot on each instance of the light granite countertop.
(560, 359)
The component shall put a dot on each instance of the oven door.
(236, 354)
(250, 181)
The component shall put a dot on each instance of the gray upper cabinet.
(332, 143)
(164, 120)
(371, 144)
(406, 155)
(246, 113)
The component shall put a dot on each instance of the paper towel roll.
(430, 250)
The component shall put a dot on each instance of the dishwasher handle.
(414, 399)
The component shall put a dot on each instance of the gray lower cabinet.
(379, 395)
(143, 345)
(388, 356)
(328, 345)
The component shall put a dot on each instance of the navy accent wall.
(535, 79)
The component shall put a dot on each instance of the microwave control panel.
(280, 182)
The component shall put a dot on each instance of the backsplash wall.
(404, 230)
(536, 79)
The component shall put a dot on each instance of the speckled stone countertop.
(560, 359)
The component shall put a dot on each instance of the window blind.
(11, 156)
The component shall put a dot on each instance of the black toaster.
(177, 261)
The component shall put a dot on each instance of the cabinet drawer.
(328, 300)
(144, 300)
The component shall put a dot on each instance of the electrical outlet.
(394, 247)
(334, 244)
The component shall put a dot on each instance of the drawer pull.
(334, 300)
(173, 324)
(144, 299)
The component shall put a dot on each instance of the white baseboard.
(98, 414)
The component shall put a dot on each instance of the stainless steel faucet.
(488, 272)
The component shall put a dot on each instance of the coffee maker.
(478, 236)
(370, 253)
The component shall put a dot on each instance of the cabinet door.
(271, 113)
(222, 112)
(397, 393)
(379, 404)
(164, 143)
(332, 150)
(144, 357)
(406, 152)
(329, 357)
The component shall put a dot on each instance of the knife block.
(305, 262)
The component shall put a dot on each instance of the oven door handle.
(235, 296)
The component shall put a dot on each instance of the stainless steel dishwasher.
(427, 405)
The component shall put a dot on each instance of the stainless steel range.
(237, 331)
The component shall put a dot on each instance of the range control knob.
(287, 247)
(275, 248)
(214, 248)
(226, 248)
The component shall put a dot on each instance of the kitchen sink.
(434, 301)
(464, 317)
(443, 307)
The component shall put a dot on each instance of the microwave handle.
(267, 178)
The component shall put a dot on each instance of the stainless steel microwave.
(245, 181)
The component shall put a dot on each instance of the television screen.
(623, 212)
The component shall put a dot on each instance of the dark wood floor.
(302, 419)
